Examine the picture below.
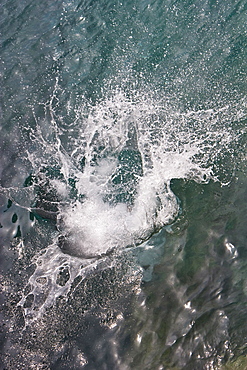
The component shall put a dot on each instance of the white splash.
(116, 168)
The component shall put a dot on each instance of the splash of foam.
(121, 155)
(131, 151)
(112, 178)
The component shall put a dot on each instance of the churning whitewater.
(109, 189)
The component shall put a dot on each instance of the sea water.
(123, 184)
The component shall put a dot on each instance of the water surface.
(123, 184)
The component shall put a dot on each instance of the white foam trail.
(44, 283)
(120, 157)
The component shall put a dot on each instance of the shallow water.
(123, 184)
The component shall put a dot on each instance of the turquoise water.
(123, 184)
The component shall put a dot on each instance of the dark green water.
(123, 185)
